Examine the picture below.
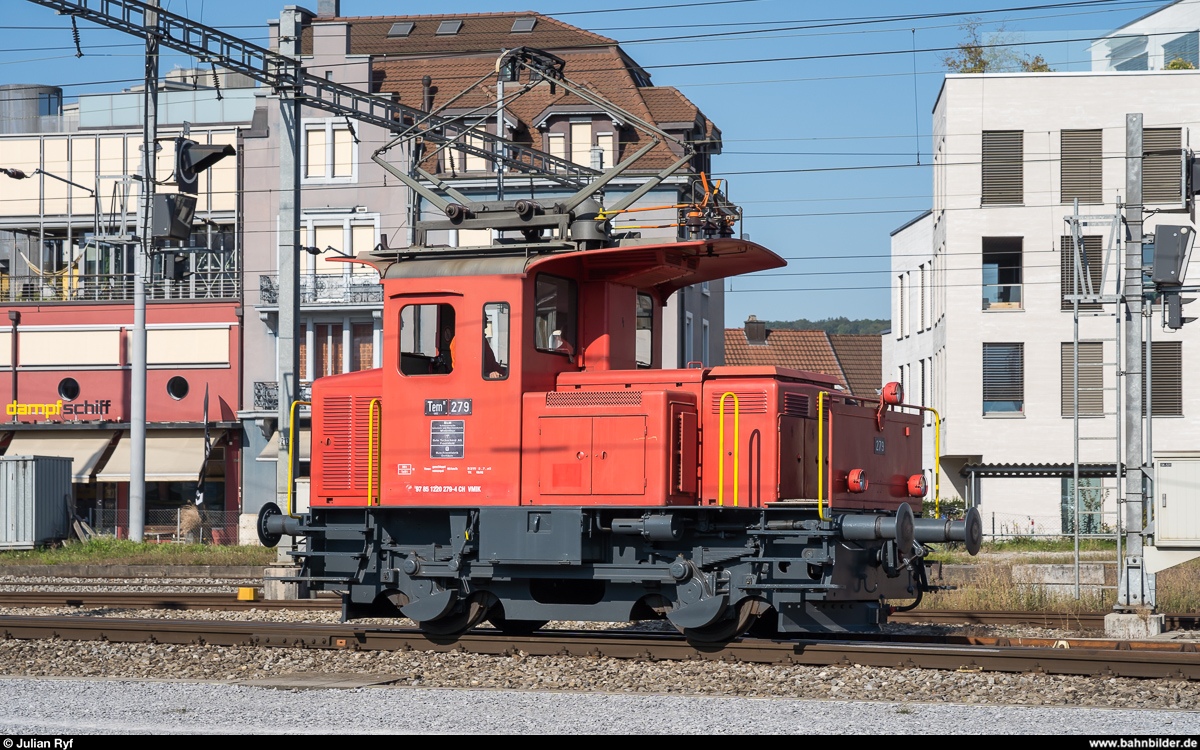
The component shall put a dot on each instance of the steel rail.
(229, 601)
(1100, 658)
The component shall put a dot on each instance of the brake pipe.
(291, 456)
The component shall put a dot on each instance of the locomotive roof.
(664, 267)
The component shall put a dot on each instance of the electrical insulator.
(857, 481)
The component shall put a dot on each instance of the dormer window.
(523, 25)
(400, 30)
(449, 28)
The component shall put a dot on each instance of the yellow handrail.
(821, 457)
(371, 446)
(291, 454)
(937, 461)
(737, 441)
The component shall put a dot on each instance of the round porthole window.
(177, 388)
(68, 389)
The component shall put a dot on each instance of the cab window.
(427, 339)
(495, 341)
(645, 330)
(554, 315)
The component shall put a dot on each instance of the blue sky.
(844, 105)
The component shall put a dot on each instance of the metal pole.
(1135, 590)
(291, 23)
(1075, 381)
(137, 344)
(1149, 459)
(499, 135)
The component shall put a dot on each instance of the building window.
(1081, 164)
(330, 153)
(1003, 378)
(1167, 378)
(1002, 273)
(1003, 167)
(900, 308)
(1185, 48)
(704, 342)
(581, 143)
(688, 345)
(473, 162)
(1131, 55)
(606, 142)
(1091, 379)
(922, 328)
(1162, 166)
(1092, 257)
(362, 343)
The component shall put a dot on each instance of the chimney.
(756, 331)
(329, 8)
(427, 93)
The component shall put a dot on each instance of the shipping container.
(36, 500)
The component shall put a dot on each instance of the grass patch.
(956, 554)
(992, 589)
(107, 551)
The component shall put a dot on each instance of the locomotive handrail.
(821, 458)
(291, 456)
(371, 445)
(937, 461)
(737, 442)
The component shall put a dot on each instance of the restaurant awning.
(303, 437)
(171, 456)
(84, 450)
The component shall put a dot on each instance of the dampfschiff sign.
(447, 438)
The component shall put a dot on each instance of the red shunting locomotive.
(521, 457)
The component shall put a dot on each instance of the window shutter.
(1093, 252)
(1081, 162)
(1003, 167)
(1167, 372)
(1091, 379)
(1162, 166)
(1186, 48)
(1004, 372)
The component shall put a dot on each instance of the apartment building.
(981, 327)
(67, 299)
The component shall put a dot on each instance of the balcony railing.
(1001, 296)
(326, 288)
(266, 395)
(117, 287)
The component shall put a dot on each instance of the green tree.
(994, 53)
(1179, 64)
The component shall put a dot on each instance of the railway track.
(1086, 657)
(229, 601)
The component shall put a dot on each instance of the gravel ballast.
(79, 706)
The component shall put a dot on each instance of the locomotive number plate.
(436, 407)
(460, 406)
(879, 446)
(447, 438)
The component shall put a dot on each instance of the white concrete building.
(980, 329)
(1153, 41)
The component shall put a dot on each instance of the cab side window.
(645, 330)
(495, 341)
(555, 308)
(427, 339)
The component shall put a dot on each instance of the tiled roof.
(603, 70)
(667, 104)
(799, 350)
(861, 358)
(480, 32)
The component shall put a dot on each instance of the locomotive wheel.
(513, 627)
(720, 631)
(456, 623)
